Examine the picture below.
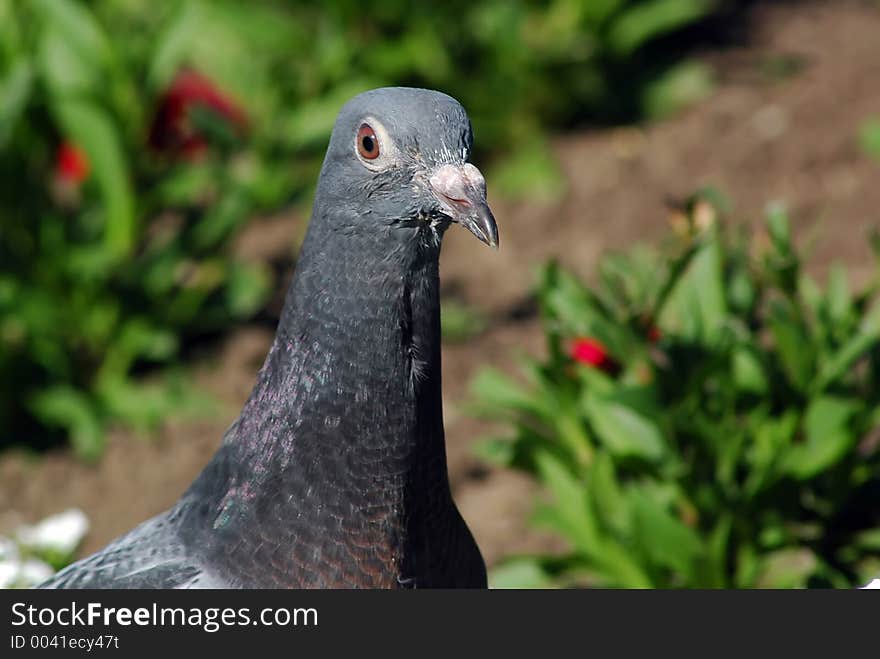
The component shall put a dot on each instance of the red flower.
(654, 335)
(173, 128)
(71, 164)
(591, 352)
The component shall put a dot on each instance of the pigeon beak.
(461, 191)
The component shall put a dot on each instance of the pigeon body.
(334, 474)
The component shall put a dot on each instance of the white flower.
(9, 572)
(874, 585)
(8, 550)
(61, 533)
(17, 573)
(33, 572)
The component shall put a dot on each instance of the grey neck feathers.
(351, 387)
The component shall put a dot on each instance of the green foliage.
(31, 553)
(734, 441)
(112, 262)
(869, 137)
(460, 322)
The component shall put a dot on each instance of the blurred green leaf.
(15, 90)
(869, 539)
(651, 19)
(605, 490)
(247, 288)
(792, 341)
(748, 371)
(90, 127)
(598, 11)
(866, 336)
(573, 515)
(67, 71)
(869, 137)
(772, 438)
(174, 41)
(625, 432)
(309, 124)
(495, 451)
(696, 307)
(826, 415)
(778, 226)
(519, 573)
(497, 391)
(137, 338)
(839, 301)
(76, 26)
(460, 322)
(73, 410)
(681, 86)
(786, 568)
(664, 538)
(532, 172)
(828, 437)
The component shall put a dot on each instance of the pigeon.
(334, 475)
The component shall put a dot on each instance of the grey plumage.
(334, 474)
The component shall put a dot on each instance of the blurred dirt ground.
(782, 125)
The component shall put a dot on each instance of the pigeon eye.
(367, 142)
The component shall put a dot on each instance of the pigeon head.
(398, 161)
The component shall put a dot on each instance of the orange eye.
(367, 142)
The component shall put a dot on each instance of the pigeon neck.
(339, 452)
(351, 386)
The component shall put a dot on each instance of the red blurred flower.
(591, 352)
(71, 164)
(173, 128)
(654, 335)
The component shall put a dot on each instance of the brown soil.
(759, 138)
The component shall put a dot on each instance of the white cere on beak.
(475, 177)
(453, 181)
